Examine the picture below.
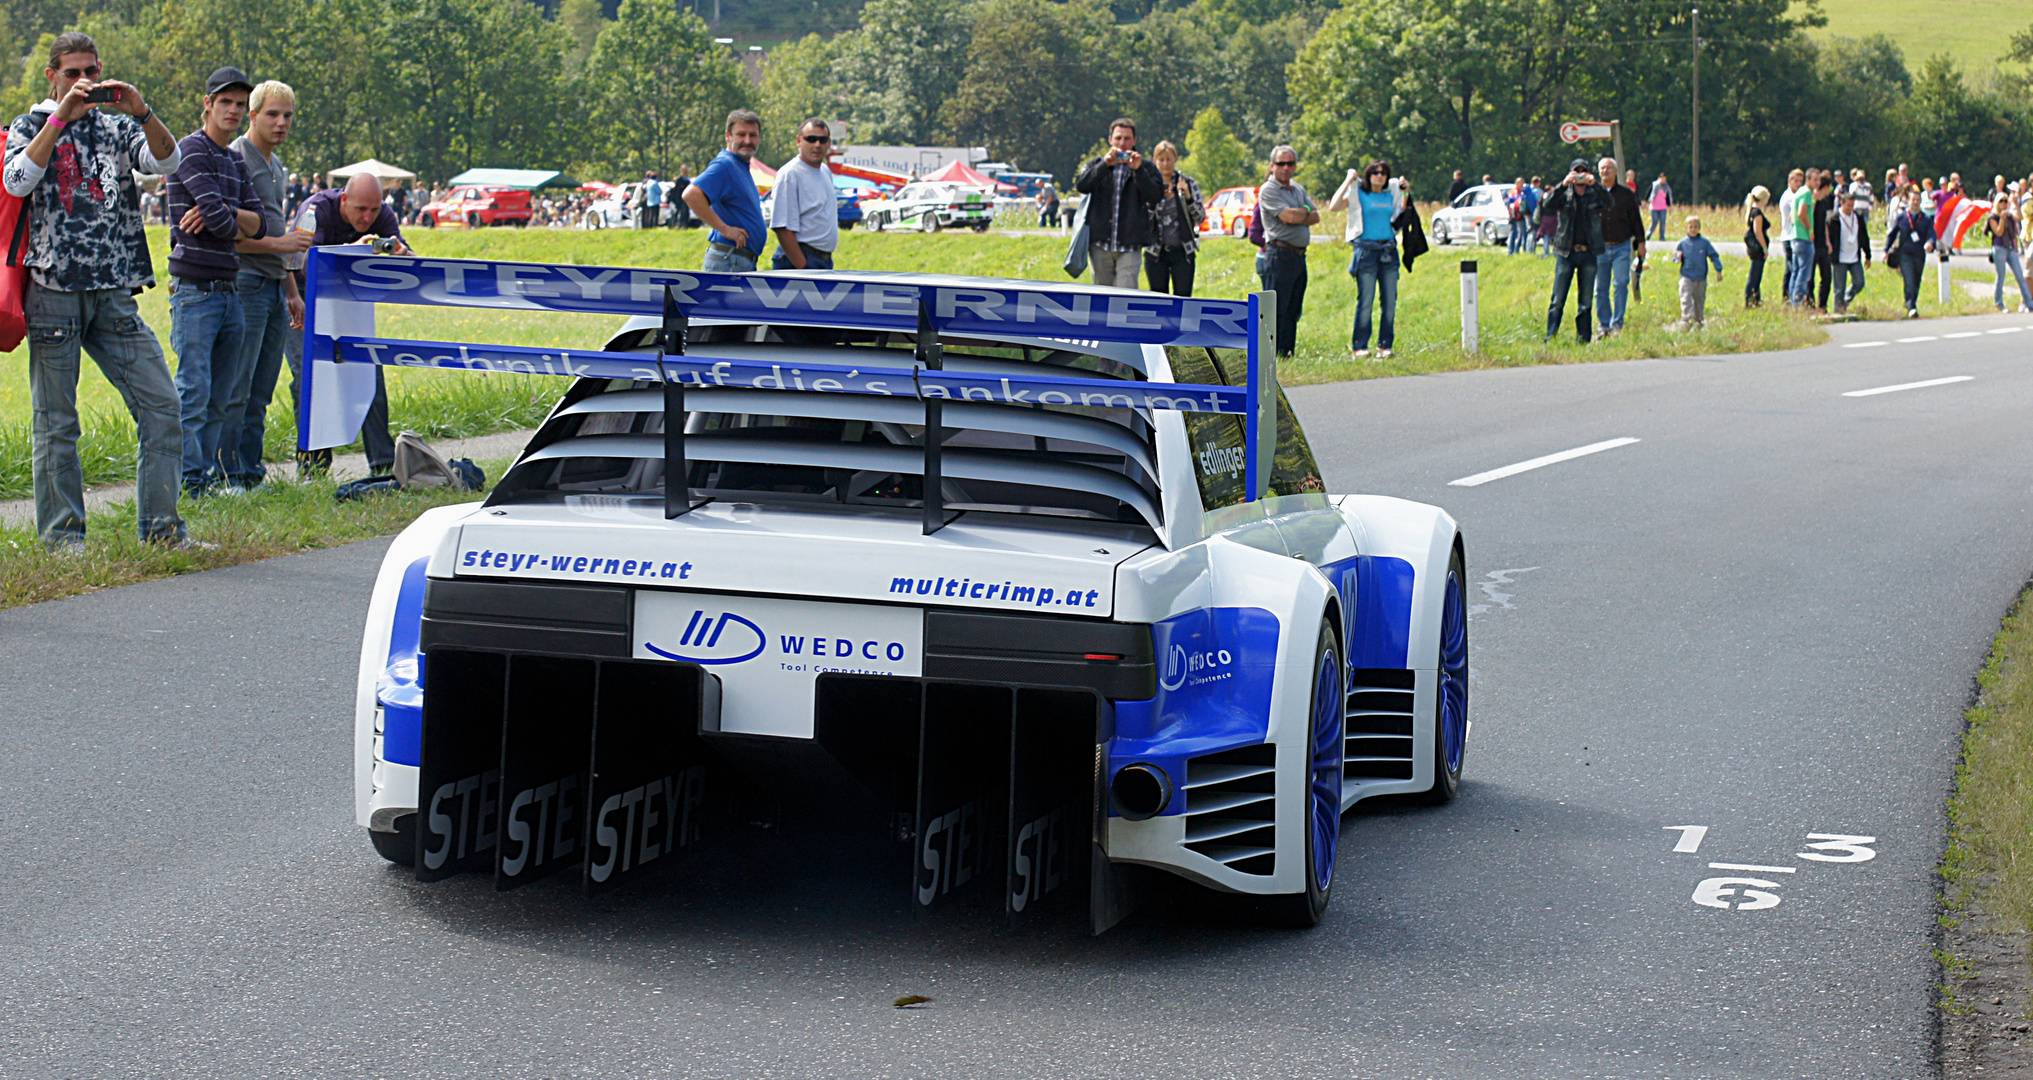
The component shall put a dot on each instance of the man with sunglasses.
(87, 257)
(804, 210)
(1288, 216)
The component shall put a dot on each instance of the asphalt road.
(1763, 617)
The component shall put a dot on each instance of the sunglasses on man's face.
(818, 138)
(1285, 164)
(76, 73)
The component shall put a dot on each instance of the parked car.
(1229, 211)
(472, 206)
(1479, 213)
(929, 207)
(849, 208)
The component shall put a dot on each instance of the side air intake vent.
(1231, 808)
(1378, 725)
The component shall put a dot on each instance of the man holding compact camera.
(1578, 205)
(1123, 189)
(73, 157)
(347, 217)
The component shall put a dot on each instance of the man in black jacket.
(1623, 242)
(1578, 206)
(1122, 188)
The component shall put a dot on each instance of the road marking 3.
(1539, 462)
(1750, 869)
(1903, 386)
(1911, 340)
(1865, 344)
(1690, 837)
(1964, 334)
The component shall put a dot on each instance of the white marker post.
(1942, 266)
(1471, 317)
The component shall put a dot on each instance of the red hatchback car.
(473, 206)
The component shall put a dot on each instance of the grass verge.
(279, 518)
(1989, 860)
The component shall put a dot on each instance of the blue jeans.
(814, 259)
(727, 262)
(1658, 225)
(2005, 257)
(107, 324)
(1565, 269)
(267, 320)
(205, 329)
(1519, 234)
(1612, 285)
(1543, 241)
(1799, 270)
(1374, 265)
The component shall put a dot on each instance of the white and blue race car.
(1041, 577)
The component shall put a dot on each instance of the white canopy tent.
(381, 170)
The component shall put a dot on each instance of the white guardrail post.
(1942, 274)
(1471, 315)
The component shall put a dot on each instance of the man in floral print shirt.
(87, 258)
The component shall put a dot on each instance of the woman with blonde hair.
(1175, 227)
(1755, 244)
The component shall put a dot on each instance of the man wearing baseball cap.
(212, 204)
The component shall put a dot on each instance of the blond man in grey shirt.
(1288, 216)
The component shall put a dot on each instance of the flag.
(1957, 214)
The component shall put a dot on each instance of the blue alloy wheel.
(1450, 711)
(1324, 797)
(1324, 754)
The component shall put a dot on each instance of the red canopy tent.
(959, 173)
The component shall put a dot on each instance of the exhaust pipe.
(1140, 791)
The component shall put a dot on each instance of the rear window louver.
(1093, 461)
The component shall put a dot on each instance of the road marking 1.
(1964, 334)
(1749, 869)
(1911, 340)
(1901, 386)
(2005, 330)
(1865, 344)
(1690, 837)
(1539, 462)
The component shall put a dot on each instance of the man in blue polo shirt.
(725, 198)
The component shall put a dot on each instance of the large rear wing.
(345, 284)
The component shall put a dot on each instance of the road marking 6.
(1865, 344)
(1539, 462)
(1750, 869)
(1851, 847)
(1716, 892)
(1911, 340)
(1690, 837)
(1901, 386)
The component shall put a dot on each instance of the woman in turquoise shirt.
(1374, 200)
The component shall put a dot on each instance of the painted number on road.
(1760, 893)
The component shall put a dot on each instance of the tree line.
(1432, 85)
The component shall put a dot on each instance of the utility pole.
(1697, 108)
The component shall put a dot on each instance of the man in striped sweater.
(212, 204)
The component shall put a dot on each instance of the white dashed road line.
(1964, 334)
(2005, 330)
(1539, 462)
(1865, 344)
(1911, 340)
(1905, 386)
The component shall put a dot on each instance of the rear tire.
(473, 219)
(1439, 234)
(1322, 826)
(430, 221)
(1450, 698)
(875, 223)
(929, 223)
(398, 847)
(1486, 233)
(1239, 228)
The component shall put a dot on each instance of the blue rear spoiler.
(346, 283)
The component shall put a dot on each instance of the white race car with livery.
(931, 206)
(1042, 577)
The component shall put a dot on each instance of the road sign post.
(1471, 311)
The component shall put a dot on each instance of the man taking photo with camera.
(1577, 241)
(345, 216)
(73, 158)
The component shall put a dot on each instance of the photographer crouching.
(344, 217)
(87, 258)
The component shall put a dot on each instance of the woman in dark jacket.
(1907, 242)
(1175, 227)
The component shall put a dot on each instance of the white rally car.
(1042, 576)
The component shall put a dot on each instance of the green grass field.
(1975, 32)
(446, 404)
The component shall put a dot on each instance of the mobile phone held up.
(103, 95)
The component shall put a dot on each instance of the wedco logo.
(1180, 665)
(726, 638)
